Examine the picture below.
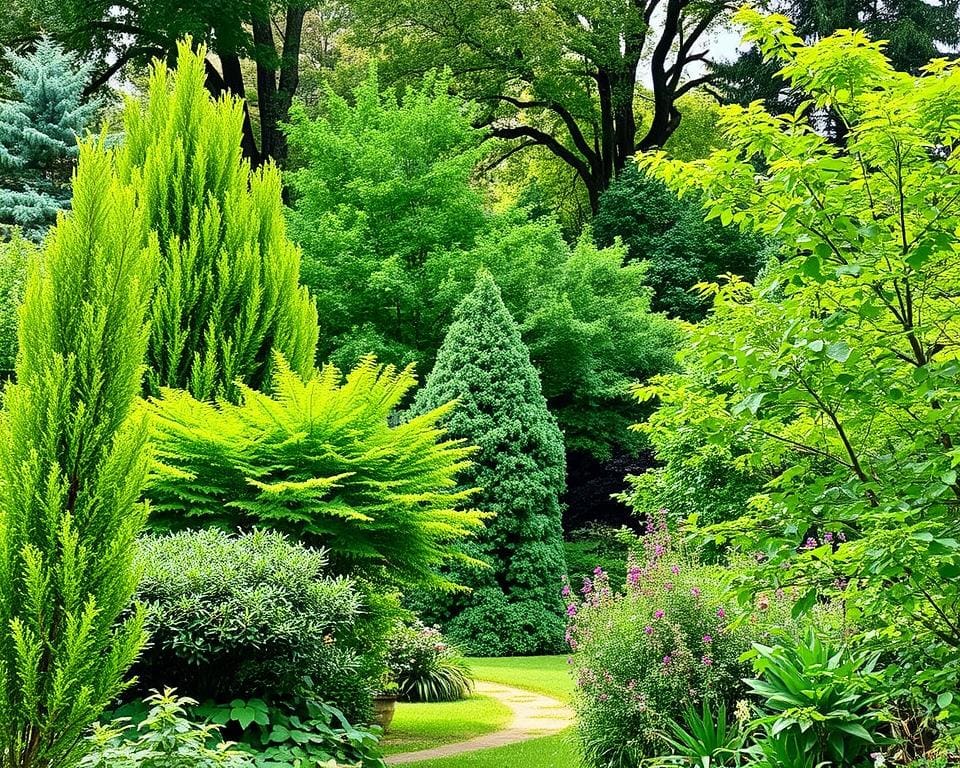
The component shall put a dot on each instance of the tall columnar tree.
(38, 135)
(72, 465)
(228, 292)
(519, 466)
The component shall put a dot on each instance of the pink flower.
(572, 609)
(707, 661)
(675, 569)
(667, 659)
(695, 591)
(708, 639)
(668, 586)
(721, 614)
(598, 571)
(658, 614)
(648, 629)
(565, 591)
(659, 550)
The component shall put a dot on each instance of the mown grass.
(549, 675)
(558, 751)
(424, 726)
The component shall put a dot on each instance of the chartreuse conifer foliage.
(520, 468)
(320, 459)
(229, 288)
(72, 467)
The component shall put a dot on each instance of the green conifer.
(515, 606)
(228, 292)
(38, 135)
(73, 463)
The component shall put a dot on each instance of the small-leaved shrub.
(425, 666)
(251, 615)
(643, 656)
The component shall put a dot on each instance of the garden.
(479, 385)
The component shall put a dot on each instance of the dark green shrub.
(252, 615)
(670, 234)
(425, 667)
(515, 607)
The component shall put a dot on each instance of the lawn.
(559, 751)
(424, 726)
(549, 675)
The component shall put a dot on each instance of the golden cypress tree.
(228, 291)
(72, 466)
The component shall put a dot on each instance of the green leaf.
(839, 351)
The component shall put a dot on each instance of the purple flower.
(598, 571)
(572, 609)
(648, 629)
(633, 576)
(667, 659)
(811, 543)
(708, 639)
(658, 614)
(659, 549)
(587, 586)
(842, 536)
(828, 537)
(565, 591)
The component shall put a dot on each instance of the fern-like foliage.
(322, 460)
(72, 466)
(229, 289)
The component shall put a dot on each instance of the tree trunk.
(277, 78)
(231, 81)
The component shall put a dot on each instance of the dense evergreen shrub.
(229, 291)
(515, 607)
(38, 135)
(324, 461)
(253, 615)
(72, 467)
(671, 236)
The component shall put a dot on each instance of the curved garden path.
(533, 715)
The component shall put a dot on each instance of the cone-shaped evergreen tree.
(229, 290)
(38, 135)
(72, 466)
(515, 606)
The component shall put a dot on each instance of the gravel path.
(533, 715)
